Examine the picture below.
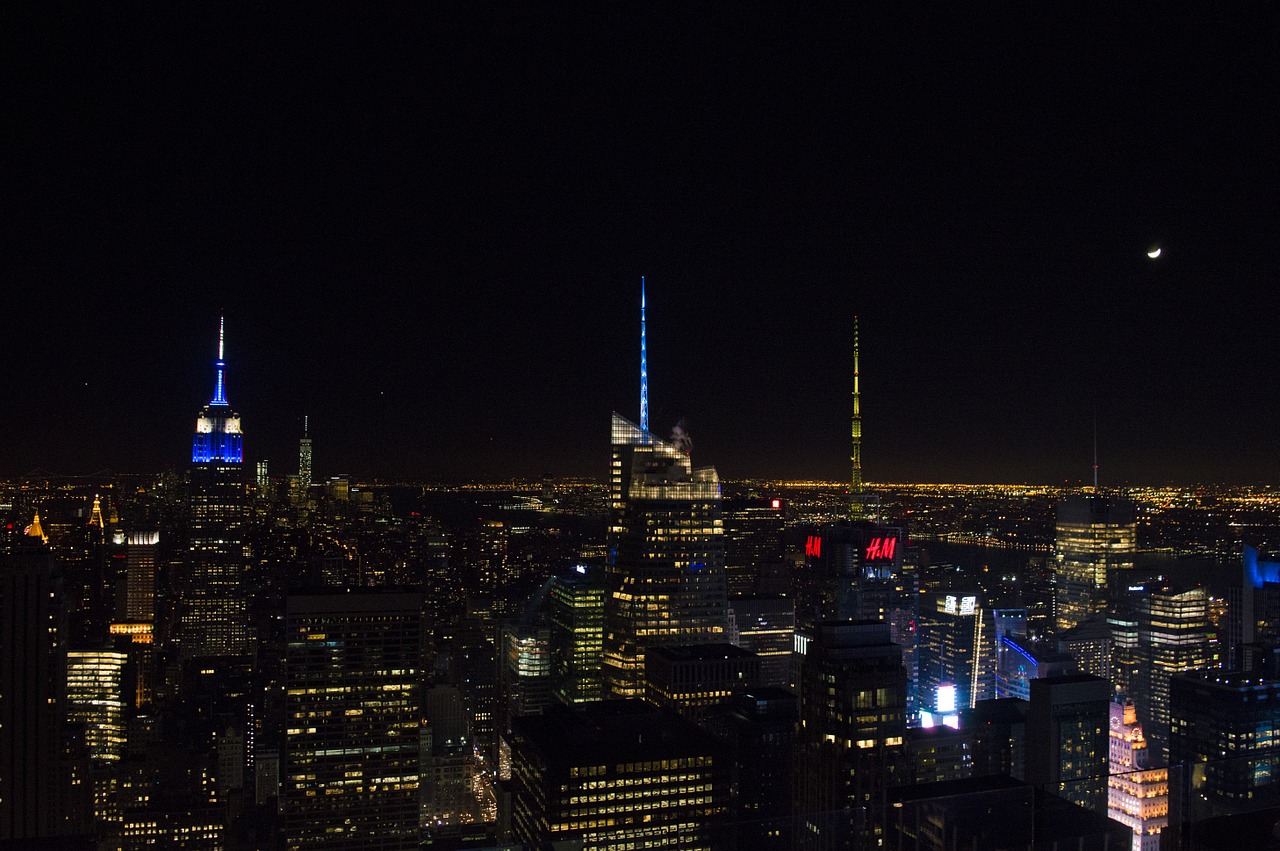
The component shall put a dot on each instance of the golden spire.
(35, 531)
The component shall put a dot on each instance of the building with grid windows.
(1096, 538)
(616, 774)
(666, 581)
(353, 672)
(215, 623)
(577, 635)
(1138, 789)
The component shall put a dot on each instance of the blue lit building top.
(218, 438)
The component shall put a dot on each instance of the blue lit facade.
(218, 437)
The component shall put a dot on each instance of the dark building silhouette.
(1068, 738)
(851, 745)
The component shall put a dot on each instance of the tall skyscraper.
(353, 673)
(1096, 537)
(1173, 637)
(577, 626)
(666, 582)
(1138, 791)
(45, 788)
(956, 655)
(215, 618)
(304, 454)
(857, 488)
(1068, 738)
(851, 747)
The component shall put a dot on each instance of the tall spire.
(644, 367)
(1095, 450)
(219, 387)
(856, 489)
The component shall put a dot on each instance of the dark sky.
(427, 230)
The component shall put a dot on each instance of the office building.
(1138, 789)
(666, 582)
(1224, 742)
(1173, 637)
(754, 561)
(45, 789)
(995, 812)
(690, 679)
(306, 475)
(1020, 661)
(215, 622)
(955, 655)
(577, 635)
(758, 730)
(1068, 738)
(767, 627)
(96, 701)
(1090, 643)
(941, 753)
(998, 731)
(1253, 622)
(1096, 541)
(616, 774)
(353, 671)
(851, 743)
(524, 670)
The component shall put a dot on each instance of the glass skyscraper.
(666, 581)
(1096, 536)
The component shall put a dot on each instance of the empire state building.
(214, 613)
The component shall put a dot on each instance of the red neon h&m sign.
(881, 549)
(813, 546)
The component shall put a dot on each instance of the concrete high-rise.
(666, 581)
(215, 622)
(1096, 538)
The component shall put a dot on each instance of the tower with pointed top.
(857, 492)
(644, 366)
(665, 578)
(214, 618)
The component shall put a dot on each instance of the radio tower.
(644, 367)
(856, 492)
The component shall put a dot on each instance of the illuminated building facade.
(666, 582)
(851, 747)
(525, 670)
(1173, 637)
(955, 655)
(214, 612)
(1090, 645)
(96, 700)
(577, 636)
(353, 672)
(1068, 738)
(617, 774)
(1096, 538)
(1253, 622)
(1137, 792)
(305, 473)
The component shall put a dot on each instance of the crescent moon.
(1153, 253)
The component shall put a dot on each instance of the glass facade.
(666, 581)
(1096, 537)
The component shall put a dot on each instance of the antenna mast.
(856, 489)
(644, 367)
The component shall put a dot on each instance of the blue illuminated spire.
(219, 388)
(644, 367)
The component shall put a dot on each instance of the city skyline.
(435, 249)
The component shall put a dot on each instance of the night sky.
(427, 230)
